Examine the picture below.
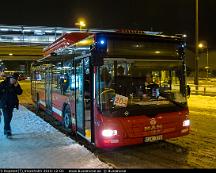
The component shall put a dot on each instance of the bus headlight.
(109, 133)
(186, 123)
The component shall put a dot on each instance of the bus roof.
(64, 41)
(75, 37)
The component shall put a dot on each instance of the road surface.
(196, 150)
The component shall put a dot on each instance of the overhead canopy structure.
(20, 42)
(19, 52)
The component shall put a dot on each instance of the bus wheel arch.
(67, 117)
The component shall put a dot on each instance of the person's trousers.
(8, 114)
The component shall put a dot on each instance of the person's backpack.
(2, 91)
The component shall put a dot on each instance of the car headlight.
(186, 123)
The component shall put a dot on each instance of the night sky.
(168, 16)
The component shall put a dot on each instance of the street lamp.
(81, 24)
(205, 46)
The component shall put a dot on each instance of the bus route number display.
(120, 100)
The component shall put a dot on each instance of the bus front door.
(83, 98)
(48, 90)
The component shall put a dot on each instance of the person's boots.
(8, 133)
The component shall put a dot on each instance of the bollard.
(204, 90)
(196, 89)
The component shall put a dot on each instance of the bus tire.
(67, 123)
(37, 105)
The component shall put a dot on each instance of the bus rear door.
(48, 90)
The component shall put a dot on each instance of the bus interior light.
(109, 133)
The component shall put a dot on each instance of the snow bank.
(36, 144)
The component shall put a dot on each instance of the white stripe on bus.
(42, 102)
(53, 108)
(57, 111)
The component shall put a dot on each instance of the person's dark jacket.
(8, 94)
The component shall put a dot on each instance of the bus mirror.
(97, 57)
(97, 60)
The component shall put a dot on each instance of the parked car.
(22, 77)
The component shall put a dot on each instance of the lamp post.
(196, 79)
(207, 67)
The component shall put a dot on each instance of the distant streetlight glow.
(10, 54)
(200, 45)
(204, 45)
(81, 24)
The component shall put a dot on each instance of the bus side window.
(105, 78)
(64, 83)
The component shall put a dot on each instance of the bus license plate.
(153, 138)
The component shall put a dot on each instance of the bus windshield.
(133, 87)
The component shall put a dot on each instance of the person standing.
(152, 88)
(9, 89)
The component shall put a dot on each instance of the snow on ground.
(201, 142)
(36, 144)
(202, 102)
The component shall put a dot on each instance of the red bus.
(114, 88)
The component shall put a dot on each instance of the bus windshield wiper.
(174, 102)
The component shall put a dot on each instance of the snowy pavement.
(36, 144)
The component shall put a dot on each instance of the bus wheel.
(67, 118)
(37, 104)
